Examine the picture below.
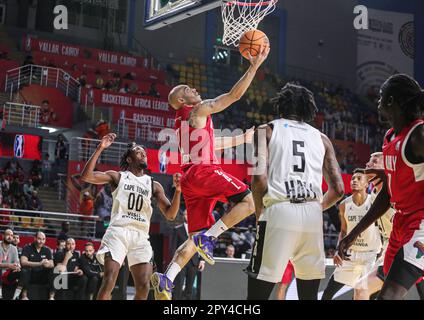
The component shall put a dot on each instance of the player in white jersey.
(364, 252)
(128, 232)
(287, 190)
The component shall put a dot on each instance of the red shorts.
(202, 186)
(288, 274)
(407, 233)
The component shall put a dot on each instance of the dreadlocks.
(124, 165)
(295, 100)
(407, 93)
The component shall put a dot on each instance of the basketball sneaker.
(162, 286)
(204, 246)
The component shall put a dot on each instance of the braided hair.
(124, 165)
(296, 100)
(407, 93)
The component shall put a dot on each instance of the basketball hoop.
(240, 16)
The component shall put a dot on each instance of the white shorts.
(354, 272)
(289, 231)
(123, 242)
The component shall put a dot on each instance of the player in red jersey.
(402, 103)
(203, 181)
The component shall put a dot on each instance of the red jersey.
(405, 180)
(197, 146)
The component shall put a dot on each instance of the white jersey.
(296, 155)
(385, 222)
(370, 239)
(132, 206)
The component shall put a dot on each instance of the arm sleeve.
(26, 251)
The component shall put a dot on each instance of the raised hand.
(107, 140)
(177, 181)
(257, 60)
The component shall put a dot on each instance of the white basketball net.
(240, 16)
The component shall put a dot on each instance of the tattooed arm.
(207, 107)
(332, 176)
(260, 174)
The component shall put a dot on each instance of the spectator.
(46, 170)
(60, 245)
(86, 205)
(83, 80)
(229, 252)
(36, 265)
(13, 167)
(68, 261)
(16, 188)
(4, 184)
(28, 61)
(63, 234)
(153, 92)
(104, 201)
(189, 272)
(60, 150)
(47, 113)
(9, 265)
(36, 173)
(92, 270)
(28, 188)
(34, 202)
(16, 241)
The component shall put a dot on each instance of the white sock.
(217, 229)
(172, 271)
(17, 293)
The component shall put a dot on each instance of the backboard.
(160, 13)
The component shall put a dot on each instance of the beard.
(143, 166)
(8, 242)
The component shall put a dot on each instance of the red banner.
(75, 51)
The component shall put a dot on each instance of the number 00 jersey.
(132, 206)
(295, 158)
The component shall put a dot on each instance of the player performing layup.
(203, 182)
(292, 159)
(128, 232)
(402, 103)
(366, 248)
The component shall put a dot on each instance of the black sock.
(258, 289)
(307, 289)
(332, 288)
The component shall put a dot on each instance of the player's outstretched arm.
(168, 209)
(261, 139)
(96, 177)
(380, 205)
(332, 175)
(229, 142)
(343, 230)
(222, 102)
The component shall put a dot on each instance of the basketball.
(251, 41)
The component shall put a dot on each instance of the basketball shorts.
(407, 234)
(288, 274)
(202, 186)
(289, 231)
(354, 272)
(123, 242)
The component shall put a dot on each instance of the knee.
(143, 286)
